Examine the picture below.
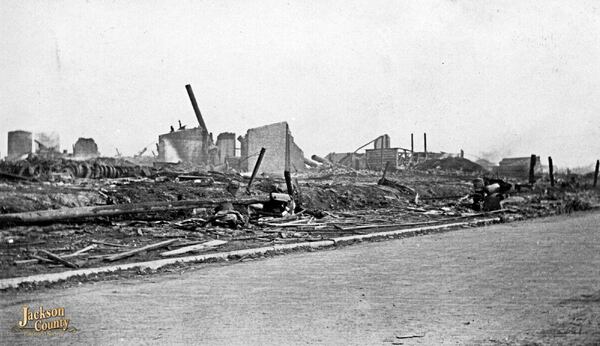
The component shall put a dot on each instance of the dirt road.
(513, 283)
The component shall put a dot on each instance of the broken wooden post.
(551, 171)
(256, 167)
(531, 169)
(287, 148)
(381, 152)
(387, 164)
(425, 144)
(286, 171)
(596, 173)
(288, 182)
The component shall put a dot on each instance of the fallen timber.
(68, 214)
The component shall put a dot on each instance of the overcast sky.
(505, 78)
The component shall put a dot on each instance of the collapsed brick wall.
(272, 138)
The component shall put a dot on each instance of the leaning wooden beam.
(59, 259)
(208, 244)
(65, 214)
(125, 254)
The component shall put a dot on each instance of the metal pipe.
(195, 106)
(425, 143)
(256, 167)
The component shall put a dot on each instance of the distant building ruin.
(19, 144)
(47, 141)
(518, 167)
(382, 142)
(85, 148)
(351, 160)
(187, 145)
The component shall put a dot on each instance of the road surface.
(532, 281)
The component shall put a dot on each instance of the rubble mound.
(450, 164)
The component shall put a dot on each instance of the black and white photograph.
(299, 172)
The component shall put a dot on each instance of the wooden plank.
(85, 249)
(59, 259)
(129, 253)
(107, 244)
(196, 247)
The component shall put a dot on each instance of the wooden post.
(551, 171)
(596, 173)
(287, 148)
(462, 154)
(425, 144)
(256, 167)
(412, 144)
(286, 172)
(531, 169)
(381, 151)
(387, 164)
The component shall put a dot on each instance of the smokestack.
(195, 105)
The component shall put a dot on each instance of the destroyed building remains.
(273, 138)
